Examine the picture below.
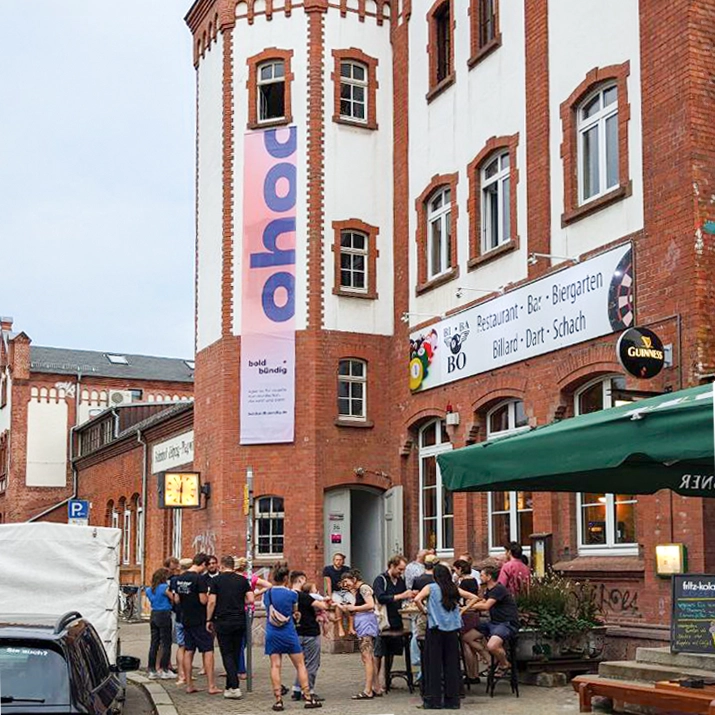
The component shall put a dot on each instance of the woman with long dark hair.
(440, 658)
(160, 625)
(281, 605)
(470, 620)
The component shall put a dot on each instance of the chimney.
(6, 323)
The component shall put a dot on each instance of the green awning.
(664, 442)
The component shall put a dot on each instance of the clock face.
(181, 489)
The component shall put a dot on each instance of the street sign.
(78, 512)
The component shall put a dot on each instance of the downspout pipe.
(145, 480)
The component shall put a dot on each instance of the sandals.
(363, 696)
(311, 701)
(278, 706)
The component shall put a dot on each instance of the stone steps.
(663, 656)
(648, 672)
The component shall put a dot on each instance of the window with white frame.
(352, 389)
(353, 91)
(511, 514)
(353, 261)
(439, 232)
(139, 545)
(496, 202)
(270, 518)
(115, 519)
(271, 91)
(597, 131)
(176, 533)
(127, 537)
(606, 522)
(436, 503)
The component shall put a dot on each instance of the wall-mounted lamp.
(362, 471)
(461, 289)
(206, 490)
(534, 258)
(405, 317)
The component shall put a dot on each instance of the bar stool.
(513, 674)
(404, 639)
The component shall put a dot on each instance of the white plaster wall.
(46, 439)
(6, 412)
(210, 193)
(358, 176)
(92, 402)
(285, 33)
(446, 134)
(584, 35)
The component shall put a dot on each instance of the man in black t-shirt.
(192, 592)
(333, 574)
(503, 616)
(308, 632)
(226, 614)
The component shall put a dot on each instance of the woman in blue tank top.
(440, 658)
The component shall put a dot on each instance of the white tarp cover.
(50, 569)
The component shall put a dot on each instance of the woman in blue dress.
(281, 637)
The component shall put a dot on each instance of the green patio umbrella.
(664, 442)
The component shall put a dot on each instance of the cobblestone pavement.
(340, 677)
(137, 702)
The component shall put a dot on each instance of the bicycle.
(128, 603)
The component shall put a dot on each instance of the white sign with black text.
(174, 452)
(582, 302)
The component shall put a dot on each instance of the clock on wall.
(179, 490)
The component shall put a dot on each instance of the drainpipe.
(145, 479)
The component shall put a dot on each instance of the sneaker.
(167, 675)
(153, 675)
(232, 693)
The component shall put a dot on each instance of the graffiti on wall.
(617, 601)
(205, 543)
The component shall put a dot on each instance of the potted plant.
(559, 619)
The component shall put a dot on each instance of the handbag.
(275, 617)
(383, 620)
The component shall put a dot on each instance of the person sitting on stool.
(503, 621)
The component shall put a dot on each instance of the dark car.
(55, 665)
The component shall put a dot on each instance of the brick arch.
(507, 389)
(594, 360)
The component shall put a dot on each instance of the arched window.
(352, 389)
(271, 91)
(126, 513)
(109, 514)
(511, 514)
(606, 522)
(439, 232)
(597, 128)
(436, 503)
(353, 91)
(496, 202)
(270, 517)
(139, 540)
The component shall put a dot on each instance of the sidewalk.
(340, 677)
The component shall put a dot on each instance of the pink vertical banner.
(268, 287)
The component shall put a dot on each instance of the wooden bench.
(688, 700)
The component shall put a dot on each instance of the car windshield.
(32, 673)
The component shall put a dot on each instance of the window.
(437, 212)
(598, 143)
(271, 91)
(136, 395)
(114, 519)
(594, 147)
(493, 180)
(439, 233)
(190, 364)
(270, 517)
(353, 261)
(496, 203)
(269, 88)
(352, 386)
(37, 673)
(436, 504)
(117, 359)
(353, 91)
(4, 380)
(606, 522)
(127, 537)
(139, 541)
(355, 88)
(511, 514)
(487, 22)
(443, 31)
(3, 460)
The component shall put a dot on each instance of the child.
(341, 599)
(321, 616)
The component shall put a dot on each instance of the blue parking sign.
(78, 511)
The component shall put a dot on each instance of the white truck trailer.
(50, 569)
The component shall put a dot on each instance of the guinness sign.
(641, 353)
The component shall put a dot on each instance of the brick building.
(461, 167)
(46, 393)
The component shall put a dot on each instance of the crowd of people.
(454, 610)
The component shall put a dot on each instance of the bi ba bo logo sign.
(454, 339)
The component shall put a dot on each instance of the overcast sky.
(97, 174)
